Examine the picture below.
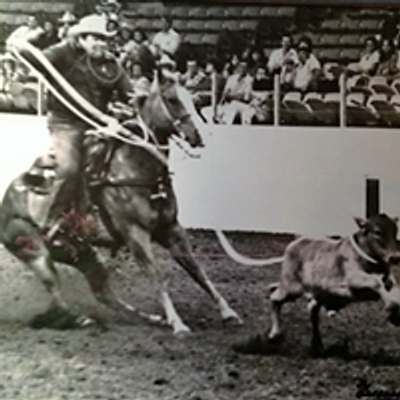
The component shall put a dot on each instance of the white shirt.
(167, 41)
(277, 58)
(368, 62)
(304, 72)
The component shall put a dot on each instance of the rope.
(244, 260)
(100, 118)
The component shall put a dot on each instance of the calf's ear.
(395, 220)
(361, 223)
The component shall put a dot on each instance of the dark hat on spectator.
(67, 18)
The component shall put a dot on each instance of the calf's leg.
(317, 347)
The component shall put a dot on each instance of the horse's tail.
(241, 259)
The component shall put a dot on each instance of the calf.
(334, 273)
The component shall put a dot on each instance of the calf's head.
(378, 235)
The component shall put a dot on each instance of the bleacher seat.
(351, 39)
(213, 25)
(396, 85)
(286, 11)
(231, 25)
(385, 110)
(233, 12)
(216, 12)
(331, 24)
(248, 25)
(356, 98)
(379, 85)
(370, 24)
(329, 39)
(197, 12)
(210, 38)
(251, 11)
(180, 12)
(295, 111)
(192, 25)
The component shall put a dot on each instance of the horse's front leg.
(139, 242)
(176, 241)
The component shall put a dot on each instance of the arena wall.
(259, 178)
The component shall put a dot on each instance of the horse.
(136, 202)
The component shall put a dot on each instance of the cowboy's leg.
(67, 146)
(176, 241)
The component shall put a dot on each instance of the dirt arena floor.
(144, 362)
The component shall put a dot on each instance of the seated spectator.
(140, 83)
(262, 82)
(167, 40)
(255, 60)
(65, 22)
(278, 57)
(30, 32)
(9, 71)
(288, 74)
(237, 96)
(193, 76)
(387, 59)
(49, 36)
(108, 7)
(308, 69)
(231, 66)
(369, 60)
(137, 50)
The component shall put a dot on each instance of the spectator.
(255, 59)
(308, 69)
(108, 7)
(279, 56)
(137, 50)
(49, 36)
(193, 76)
(140, 83)
(387, 59)
(288, 74)
(369, 60)
(237, 95)
(390, 26)
(231, 66)
(262, 81)
(30, 32)
(167, 40)
(65, 22)
(9, 70)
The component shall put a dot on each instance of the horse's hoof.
(85, 322)
(182, 331)
(232, 321)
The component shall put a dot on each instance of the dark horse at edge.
(137, 205)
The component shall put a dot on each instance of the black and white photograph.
(200, 200)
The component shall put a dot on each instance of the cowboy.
(96, 75)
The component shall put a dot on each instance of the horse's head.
(169, 110)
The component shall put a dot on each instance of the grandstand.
(337, 33)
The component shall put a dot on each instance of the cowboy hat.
(67, 17)
(94, 24)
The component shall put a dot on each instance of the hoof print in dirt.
(60, 319)
(258, 345)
